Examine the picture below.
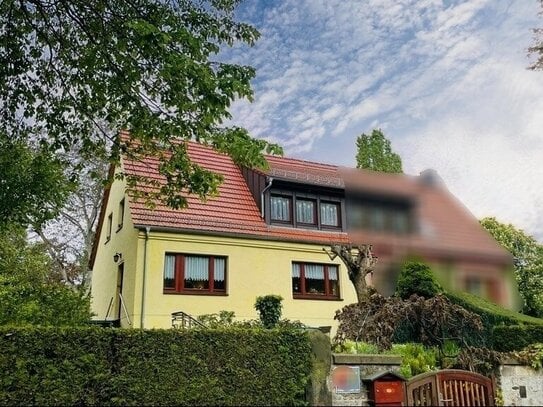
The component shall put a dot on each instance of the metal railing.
(182, 320)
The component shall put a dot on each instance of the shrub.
(416, 358)
(417, 278)
(516, 337)
(269, 308)
(93, 366)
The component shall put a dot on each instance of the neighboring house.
(265, 233)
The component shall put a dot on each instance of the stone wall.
(369, 365)
(521, 385)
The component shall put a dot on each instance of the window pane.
(329, 214)
(196, 272)
(305, 211)
(280, 208)
(296, 281)
(169, 271)
(219, 282)
(333, 280)
(377, 218)
(314, 279)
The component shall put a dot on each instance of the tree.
(528, 262)
(417, 278)
(79, 72)
(374, 153)
(360, 262)
(33, 186)
(69, 237)
(537, 48)
(27, 294)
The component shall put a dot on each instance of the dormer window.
(302, 209)
(306, 211)
(281, 209)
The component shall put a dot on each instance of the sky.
(446, 81)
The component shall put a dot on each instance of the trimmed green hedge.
(94, 366)
(516, 337)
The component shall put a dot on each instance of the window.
(305, 211)
(121, 215)
(330, 214)
(315, 281)
(194, 274)
(280, 208)
(108, 230)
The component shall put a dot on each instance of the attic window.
(109, 224)
(121, 215)
(281, 209)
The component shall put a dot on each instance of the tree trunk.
(360, 262)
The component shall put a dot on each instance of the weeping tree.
(359, 261)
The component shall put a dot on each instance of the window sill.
(315, 297)
(196, 292)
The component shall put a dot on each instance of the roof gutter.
(142, 314)
(270, 181)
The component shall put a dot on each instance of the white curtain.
(219, 269)
(329, 214)
(196, 268)
(295, 270)
(314, 271)
(169, 267)
(332, 272)
(280, 208)
(305, 212)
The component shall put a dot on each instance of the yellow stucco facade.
(253, 268)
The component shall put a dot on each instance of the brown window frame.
(338, 206)
(179, 275)
(303, 294)
(315, 211)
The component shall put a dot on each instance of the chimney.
(431, 178)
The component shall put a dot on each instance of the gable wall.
(105, 270)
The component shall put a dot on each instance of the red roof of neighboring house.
(445, 224)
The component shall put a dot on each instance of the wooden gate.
(450, 388)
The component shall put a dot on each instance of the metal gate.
(450, 388)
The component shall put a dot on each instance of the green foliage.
(27, 296)
(528, 261)
(416, 358)
(515, 337)
(33, 186)
(269, 309)
(532, 355)
(78, 73)
(374, 153)
(93, 366)
(417, 278)
(222, 319)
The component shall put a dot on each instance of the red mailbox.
(386, 389)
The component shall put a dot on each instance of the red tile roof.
(446, 226)
(233, 211)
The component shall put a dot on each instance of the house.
(265, 233)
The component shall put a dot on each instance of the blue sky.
(445, 80)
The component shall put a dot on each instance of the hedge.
(95, 366)
(516, 337)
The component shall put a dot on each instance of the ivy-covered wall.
(94, 366)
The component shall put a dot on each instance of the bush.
(417, 278)
(93, 366)
(269, 309)
(516, 337)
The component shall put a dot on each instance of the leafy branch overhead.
(78, 72)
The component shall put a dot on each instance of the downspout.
(142, 315)
(270, 180)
